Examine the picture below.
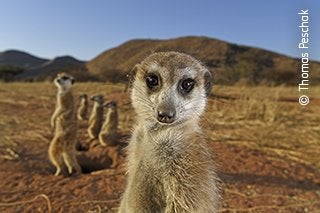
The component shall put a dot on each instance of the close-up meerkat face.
(64, 81)
(170, 87)
(97, 98)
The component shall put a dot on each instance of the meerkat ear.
(72, 81)
(208, 81)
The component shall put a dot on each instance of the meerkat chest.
(66, 119)
(165, 150)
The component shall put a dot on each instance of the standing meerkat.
(107, 136)
(64, 122)
(170, 166)
(83, 108)
(96, 117)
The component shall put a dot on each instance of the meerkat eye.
(152, 81)
(187, 85)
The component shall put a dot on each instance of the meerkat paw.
(57, 172)
(103, 143)
(70, 170)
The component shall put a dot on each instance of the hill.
(50, 68)
(230, 63)
(20, 59)
(22, 66)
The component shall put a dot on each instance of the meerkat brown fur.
(64, 123)
(107, 136)
(96, 117)
(170, 166)
(83, 108)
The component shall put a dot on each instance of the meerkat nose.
(166, 116)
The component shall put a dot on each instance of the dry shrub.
(258, 105)
(250, 103)
(268, 119)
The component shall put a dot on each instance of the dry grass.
(256, 119)
(26, 109)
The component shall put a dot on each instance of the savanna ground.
(266, 144)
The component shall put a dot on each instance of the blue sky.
(84, 29)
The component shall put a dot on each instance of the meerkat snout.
(166, 114)
(111, 105)
(83, 96)
(97, 98)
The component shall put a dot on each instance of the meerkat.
(96, 117)
(170, 166)
(108, 131)
(64, 122)
(83, 108)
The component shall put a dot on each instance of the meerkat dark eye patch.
(187, 85)
(152, 80)
(64, 78)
